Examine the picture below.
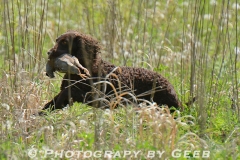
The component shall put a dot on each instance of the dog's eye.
(64, 42)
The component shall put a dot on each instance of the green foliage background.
(195, 44)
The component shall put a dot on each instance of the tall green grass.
(192, 43)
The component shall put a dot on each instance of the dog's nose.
(49, 52)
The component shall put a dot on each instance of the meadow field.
(193, 43)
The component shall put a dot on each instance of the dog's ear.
(88, 45)
(88, 53)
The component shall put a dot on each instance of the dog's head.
(84, 47)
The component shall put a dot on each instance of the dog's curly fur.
(87, 50)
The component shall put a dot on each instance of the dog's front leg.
(50, 105)
(69, 96)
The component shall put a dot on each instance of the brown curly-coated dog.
(108, 84)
